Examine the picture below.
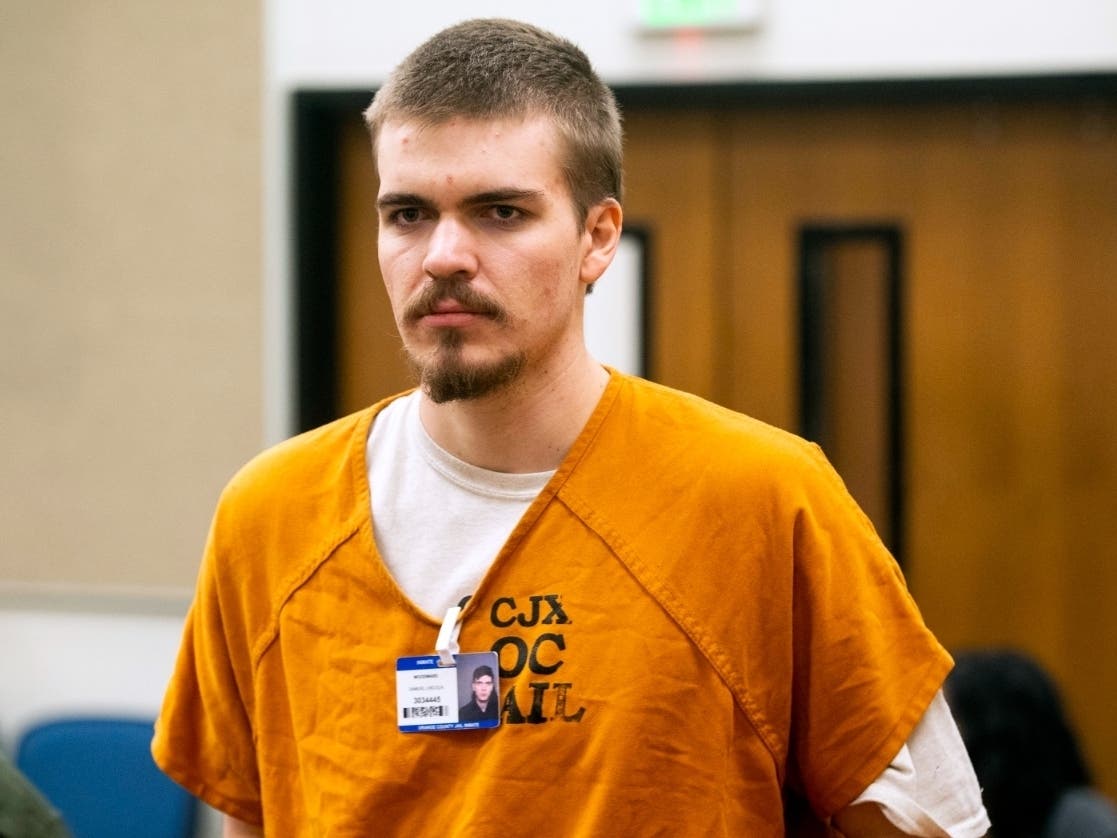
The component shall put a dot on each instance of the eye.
(405, 215)
(505, 213)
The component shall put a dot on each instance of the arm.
(929, 789)
(865, 820)
(240, 829)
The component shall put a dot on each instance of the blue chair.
(99, 774)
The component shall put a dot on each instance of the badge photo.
(433, 697)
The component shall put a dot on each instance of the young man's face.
(483, 256)
(483, 688)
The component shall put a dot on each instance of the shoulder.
(678, 414)
(671, 474)
(314, 467)
(283, 514)
(299, 494)
(692, 488)
(688, 435)
(300, 458)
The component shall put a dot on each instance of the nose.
(450, 250)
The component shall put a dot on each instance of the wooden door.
(1009, 219)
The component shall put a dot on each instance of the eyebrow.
(400, 199)
(503, 196)
(495, 196)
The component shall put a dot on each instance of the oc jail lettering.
(540, 655)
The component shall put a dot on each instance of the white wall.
(57, 663)
(353, 42)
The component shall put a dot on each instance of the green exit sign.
(698, 14)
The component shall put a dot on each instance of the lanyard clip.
(447, 643)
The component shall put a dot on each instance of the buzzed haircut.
(495, 68)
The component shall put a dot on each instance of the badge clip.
(447, 643)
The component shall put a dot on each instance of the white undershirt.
(930, 788)
(440, 522)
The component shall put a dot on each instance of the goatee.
(448, 378)
(445, 376)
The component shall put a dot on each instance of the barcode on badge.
(425, 712)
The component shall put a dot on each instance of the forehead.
(464, 152)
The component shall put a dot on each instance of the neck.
(526, 427)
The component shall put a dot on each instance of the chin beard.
(444, 376)
(448, 378)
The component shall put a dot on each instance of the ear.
(601, 235)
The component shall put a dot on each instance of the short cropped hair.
(484, 670)
(495, 68)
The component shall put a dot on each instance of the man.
(482, 705)
(698, 633)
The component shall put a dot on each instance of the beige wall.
(130, 285)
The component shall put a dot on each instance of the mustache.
(461, 292)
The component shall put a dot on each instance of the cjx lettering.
(541, 654)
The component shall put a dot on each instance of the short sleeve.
(930, 787)
(203, 736)
(866, 666)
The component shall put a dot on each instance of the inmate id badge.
(430, 696)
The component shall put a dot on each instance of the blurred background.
(889, 226)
